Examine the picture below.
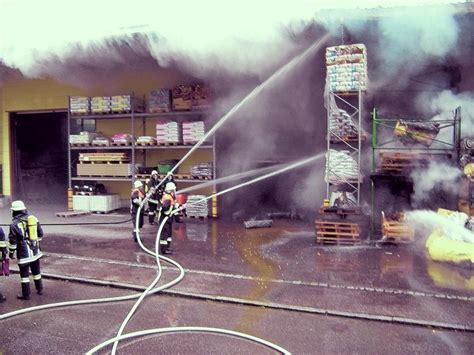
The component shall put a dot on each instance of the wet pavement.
(281, 267)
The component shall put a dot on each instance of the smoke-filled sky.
(31, 29)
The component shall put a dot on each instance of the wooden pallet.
(397, 232)
(80, 145)
(197, 217)
(330, 232)
(72, 214)
(84, 193)
(168, 144)
(104, 162)
(146, 144)
(398, 161)
(114, 144)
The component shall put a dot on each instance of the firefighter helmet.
(18, 206)
(170, 187)
(154, 172)
(138, 184)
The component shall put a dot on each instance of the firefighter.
(136, 199)
(154, 199)
(4, 251)
(168, 206)
(25, 237)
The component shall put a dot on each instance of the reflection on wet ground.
(288, 250)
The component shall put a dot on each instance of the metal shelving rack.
(133, 148)
(448, 148)
(352, 103)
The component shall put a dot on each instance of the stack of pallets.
(397, 232)
(398, 162)
(334, 232)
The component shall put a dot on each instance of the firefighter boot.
(134, 235)
(39, 286)
(25, 291)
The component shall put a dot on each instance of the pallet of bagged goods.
(201, 98)
(182, 97)
(82, 139)
(341, 167)
(168, 133)
(125, 103)
(159, 100)
(100, 104)
(79, 105)
(202, 171)
(195, 207)
(193, 132)
(346, 68)
(121, 139)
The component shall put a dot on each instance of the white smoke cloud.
(437, 175)
(425, 222)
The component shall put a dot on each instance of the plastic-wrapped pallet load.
(101, 141)
(193, 132)
(203, 169)
(347, 67)
(341, 167)
(182, 97)
(79, 105)
(82, 138)
(124, 103)
(100, 104)
(169, 132)
(340, 122)
(195, 208)
(159, 100)
(146, 140)
(122, 139)
(201, 97)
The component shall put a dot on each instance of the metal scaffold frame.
(351, 144)
(448, 148)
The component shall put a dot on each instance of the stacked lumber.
(104, 157)
(346, 67)
(331, 232)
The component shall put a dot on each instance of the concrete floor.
(317, 298)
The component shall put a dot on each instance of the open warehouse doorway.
(39, 156)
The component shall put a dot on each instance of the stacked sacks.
(79, 105)
(168, 132)
(159, 100)
(195, 208)
(101, 104)
(341, 167)
(203, 169)
(347, 67)
(123, 103)
(193, 132)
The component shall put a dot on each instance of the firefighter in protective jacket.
(3, 255)
(24, 238)
(136, 199)
(154, 199)
(168, 206)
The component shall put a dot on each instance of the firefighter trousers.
(25, 277)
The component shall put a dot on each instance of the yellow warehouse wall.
(49, 94)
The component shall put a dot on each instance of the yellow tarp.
(441, 248)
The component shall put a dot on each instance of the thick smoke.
(437, 176)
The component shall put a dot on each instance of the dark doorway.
(39, 157)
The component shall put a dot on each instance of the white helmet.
(170, 187)
(154, 172)
(138, 184)
(18, 206)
